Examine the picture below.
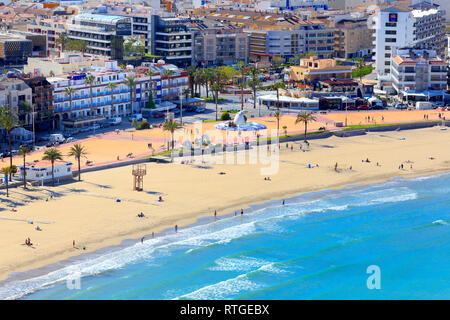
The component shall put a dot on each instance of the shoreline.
(55, 263)
(88, 211)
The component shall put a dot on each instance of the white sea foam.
(238, 264)
(441, 222)
(220, 232)
(223, 289)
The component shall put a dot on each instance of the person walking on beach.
(242, 212)
(283, 202)
(335, 167)
(73, 243)
(142, 240)
(153, 235)
(215, 215)
(176, 228)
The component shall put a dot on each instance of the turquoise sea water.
(317, 246)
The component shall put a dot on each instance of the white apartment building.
(83, 109)
(418, 73)
(420, 25)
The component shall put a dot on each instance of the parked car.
(401, 106)
(44, 138)
(200, 110)
(70, 139)
(158, 115)
(191, 108)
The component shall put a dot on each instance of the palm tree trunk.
(53, 174)
(7, 189)
(24, 174)
(306, 128)
(79, 169)
(10, 152)
(217, 93)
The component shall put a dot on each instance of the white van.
(137, 117)
(424, 105)
(115, 121)
(57, 137)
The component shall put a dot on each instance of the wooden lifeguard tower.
(139, 171)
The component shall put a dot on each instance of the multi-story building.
(19, 99)
(52, 29)
(216, 43)
(419, 26)
(313, 69)
(103, 34)
(276, 34)
(42, 101)
(418, 72)
(68, 62)
(173, 40)
(14, 50)
(429, 27)
(352, 38)
(165, 88)
(83, 109)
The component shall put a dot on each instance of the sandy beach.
(88, 211)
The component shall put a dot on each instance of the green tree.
(254, 83)
(305, 118)
(78, 151)
(89, 81)
(69, 91)
(7, 172)
(130, 82)
(171, 126)
(23, 151)
(150, 73)
(111, 86)
(360, 65)
(52, 155)
(277, 86)
(168, 74)
(62, 41)
(242, 69)
(9, 121)
(277, 116)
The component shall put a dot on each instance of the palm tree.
(7, 172)
(254, 83)
(186, 94)
(216, 87)
(305, 117)
(130, 82)
(23, 151)
(360, 65)
(150, 73)
(277, 86)
(69, 91)
(192, 77)
(278, 117)
(111, 86)
(78, 151)
(242, 67)
(52, 155)
(171, 126)
(89, 81)
(9, 121)
(62, 41)
(169, 73)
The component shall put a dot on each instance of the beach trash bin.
(118, 200)
(31, 222)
